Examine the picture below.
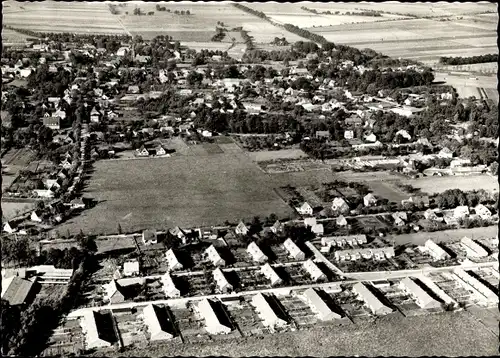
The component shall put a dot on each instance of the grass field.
(447, 334)
(12, 209)
(265, 155)
(433, 185)
(419, 238)
(184, 190)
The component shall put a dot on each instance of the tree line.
(492, 57)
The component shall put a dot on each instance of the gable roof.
(15, 290)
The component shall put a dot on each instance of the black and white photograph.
(249, 179)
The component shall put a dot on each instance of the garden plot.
(454, 288)
(196, 284)
(131, 326)
(405, 302)
(435, 185)
(351, 305)
(488, 276)
(245, 317)
(299, 311)
(250, 279)
(66, 339)
(190, 325)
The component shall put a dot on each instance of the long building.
(443, 296)
(370, 300)
(293, 250)
(16, 290)
(319, 306)
(268, 271)
(93, 332)
(473, 249)
(173, 262)
(223, 284)
(256, 253)
(214, 322)
(476, 286)
(341, 241)
(270, 314)
(159, 325)
(314, 271)
(376, 253)
(436, 251)
(214, 256)
(171, 291)
(423, 299)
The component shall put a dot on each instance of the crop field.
(10, 37)
(184, 191)
(419, 238)
(266, 155)
(489, 67)
(433, 185)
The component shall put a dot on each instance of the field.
(433, 185)
(419, 238)
(457, 334)
(467, 87)
(12, 209)
(266, 155)
(185, 191)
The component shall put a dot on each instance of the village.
(341, 138)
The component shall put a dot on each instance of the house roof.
(370, 299)
(313, 270)
(268, 271)
(92, 323)
(221, 279)
(213, 320)
(292, 248)
(173, 262)
(319, 306)
(169, 286)
(423, 298)
(254, 250)
(271, 315)
(15, 290)
(158, 322)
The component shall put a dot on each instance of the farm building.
(36, 216)
(476, 286)
(9, 228)
(380, 253)
(474, 250)
(241, 229)
(16, 290)
(340, 206)
(131, 268)
(319, 306)
(169, 288)
(223, 284)
(159, 325)
(216, 320)
(293, 250)
(214, 256)
(417, 200)
(369, 199)
(318, 229)
(149, 237)
(309, 222)
(305, 209)
(277, 227)
(482, 211)
(423, 299)
(268, 271)
(436, 251)
(173, 262)
(370, 300)
(97, 332)
(271, 314)
(313, 270)
(113, 293)
(432, 215)
(256, 253)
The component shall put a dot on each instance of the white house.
(241, 228)
(341, 221)
(214, 256)
(213, 323)
(293, 250)
(173, 262)
(482, 211)
(268, 271)
(445, 153)
(461, 212)
(340, 206)
(131, 268)
(305, 209)
(369, 199)
(277, 227)
(223, 284)
(36, 216)
(271, 316)
(169, 288)
(158, 329)
(319, 306)
(256, 253)
(436, 251)
(313, 270)
(93, 336)
(370, 300)
(318, 229)
(422, 298)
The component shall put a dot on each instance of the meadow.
(433, 185)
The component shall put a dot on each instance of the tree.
(119, 229)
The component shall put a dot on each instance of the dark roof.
(18, 291)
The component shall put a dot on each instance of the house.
(369, 199)
(340, 206)
(178, 233)
(473, 284)
(268, 271)
(399, 218)
(403, 133)
(436, 251)
(269, 311)
(256, 253)
(318, 229)
(445, 153)
(309, 222)
(482, 211)
(348, 134)
(277, 227)
(417, 200)
(314, 271)
(149, 237)
(122, 51)
(370, 300)
(9, 228)
(461, 212)
(77, 203)
(216, 319)
(142, 59)
(95, 115)
(52, 122)
(305, 209)
(159, 325)
(113, 292)
(432, 215)
(160, 150)
(96, 329)
(169, 288)
(323, 134)
(214, 256)
(422, 298)
(131, 268)
(319, 306)
(36, 216)
(133, 89)
(341, 221)
(223, 284)
(241, 229)
(17, 291)
(142, 152)
(173, 262)
(473, 249)
(293, 250)
(353, 121)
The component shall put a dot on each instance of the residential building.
(422, 298)
(399, 218)
(474, 250)
(318, 229)
(256, 253)
(173, 262)
(436, 251)
(17, 290)
(149, 237)
(216, 322)
(305, 209)
(268, 271)
(214, 256)
(269, 311)
(36, 216)
(142, 152)
(113, 292)
(169, 288)
(277, 227)
(340, 206)
(52, 122)
(474, 285)
(461, 212)
(293, 250)
(309, 222)
(377, 253)
(417, 200)
(94, 328)
(482, 211)
(432, 215)
(319, 306)
(95, 115)
(131, 268)
(443, 296)
(160, 327)
(241, 229)
(370, 300)
(9, 228)
(445, 153)
(314, 271)
(223, 284)
(340, 241)
(341, 221)
(369, 199)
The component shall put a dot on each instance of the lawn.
(187, 191)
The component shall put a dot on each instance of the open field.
(185, 191)
(419, 238)
(265, 155)
(433, 185)
(467, 87)
(12, 209)
(10, 37)
(453, 334)
(489, 67)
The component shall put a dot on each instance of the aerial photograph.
(249, 179)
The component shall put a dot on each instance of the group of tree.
(220, 34)
(251, 11)
(451, 198)
(493, 57)
(247, 40)
(279, 42)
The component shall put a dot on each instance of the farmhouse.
(423, 299)
(169, 288)
(216, 321)
(17, 291)
(268, 271)
(436, 251)
(370, 300)
(340, 206)
(476, 286)
(305, 209)
(160, 327)
(256, 253)
(95, 327)
(319, 306)
(293, 250)
(113, 292)
(173, 262)
(474, 250)
(271, 314)
(214, 256)
(149, 237)
(241, 229)
(223, 284)
(131, 268)
(482, 211)
(314, 271)
(369, 199)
